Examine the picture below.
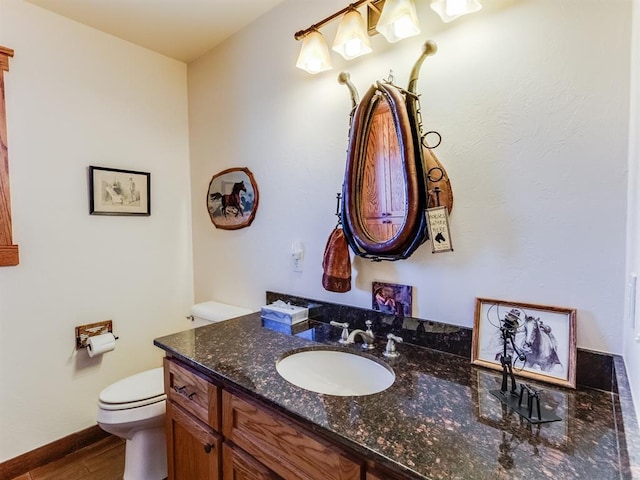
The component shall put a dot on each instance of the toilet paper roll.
(99, 344)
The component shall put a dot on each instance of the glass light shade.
(314, 54)
(351, 39)
(451, 9)
(398, 20)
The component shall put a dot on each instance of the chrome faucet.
(367, 337)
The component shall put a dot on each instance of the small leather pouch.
(336, 263)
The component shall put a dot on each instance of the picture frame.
(232, 198)
(113, 191)
(544, 335)
(392, 298)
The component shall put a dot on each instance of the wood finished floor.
(104, 460)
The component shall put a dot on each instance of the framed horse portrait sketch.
(119, 192)
(232, 199)
(539, 341)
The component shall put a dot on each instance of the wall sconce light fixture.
(394, 19)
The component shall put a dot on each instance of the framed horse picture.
(537, 341)
(232, 199)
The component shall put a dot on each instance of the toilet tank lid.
(140, 386)
(216, 311)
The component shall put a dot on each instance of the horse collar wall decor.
(391, 176)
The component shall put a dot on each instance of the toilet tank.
(211, 312)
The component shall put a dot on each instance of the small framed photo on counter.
(119, 192)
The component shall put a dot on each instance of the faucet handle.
(344, 338)
(369, 324)
(390, 350)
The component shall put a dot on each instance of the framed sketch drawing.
(232, 199)
(119, 192)
(544, 339)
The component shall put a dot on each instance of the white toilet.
(133, 408)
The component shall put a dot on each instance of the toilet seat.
(136, 391)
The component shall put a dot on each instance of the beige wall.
(532, 100)
(77, 97)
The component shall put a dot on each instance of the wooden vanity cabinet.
(219, 434)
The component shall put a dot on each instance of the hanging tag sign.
(438, 221)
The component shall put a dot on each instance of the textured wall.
(532, 100)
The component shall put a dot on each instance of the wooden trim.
(51, 452)
(5, 53)
(8, 256)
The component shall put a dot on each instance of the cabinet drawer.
(237, 465)
(283, 446)
(192, 392)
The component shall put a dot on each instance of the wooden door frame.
(8, 252)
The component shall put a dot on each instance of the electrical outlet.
(297, 256)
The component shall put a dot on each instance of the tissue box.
(284, 313)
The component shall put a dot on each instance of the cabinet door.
(282, 446)
(193, 449)
(237, 465)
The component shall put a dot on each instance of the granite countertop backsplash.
(437, 421)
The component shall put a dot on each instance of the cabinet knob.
(179, 389)
(207, 448)
(191, 395)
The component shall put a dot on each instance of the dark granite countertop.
(437, 421)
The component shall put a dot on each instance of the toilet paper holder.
(83, 332)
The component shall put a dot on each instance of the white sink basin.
(335, 372)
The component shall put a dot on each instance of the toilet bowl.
(134, 408)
